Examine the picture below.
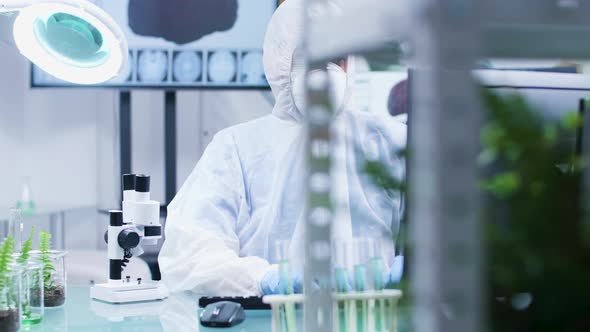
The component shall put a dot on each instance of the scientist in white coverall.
(248, 190)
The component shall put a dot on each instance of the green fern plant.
(25, 252)
(23, 259)
(6, 259)
(45, 259)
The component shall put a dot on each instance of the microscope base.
(126, 293)
(120, 312)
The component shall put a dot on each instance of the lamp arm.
(13, 5)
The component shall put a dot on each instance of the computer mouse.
(222, 314)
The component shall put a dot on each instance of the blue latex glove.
(298, 283)
(271, 283)
(397, 270)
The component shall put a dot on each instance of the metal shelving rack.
(446, 38)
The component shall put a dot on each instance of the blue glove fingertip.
(397, 270)
(270, 283)
(298, 282)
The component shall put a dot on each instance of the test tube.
(341, 262)
(376, 267)
(363, 252)
(369, 267)
(377, 271)
(287, 311)
(282, 258)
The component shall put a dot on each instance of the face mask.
(338, 87)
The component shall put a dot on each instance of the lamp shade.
(73, 40)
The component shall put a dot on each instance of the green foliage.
(536, 236)
(381, 176)
(25, 252)
(46, 259)
(6, 255)
(7, 293)
(6, 259)
(537, 226)
(503, 185)
(572, 121)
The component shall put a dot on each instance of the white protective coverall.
(248, 189)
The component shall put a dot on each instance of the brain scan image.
(222, 66)
(252, 68)
(152, 66)
(187, 66)
(181, 21)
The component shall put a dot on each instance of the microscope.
(136, 225)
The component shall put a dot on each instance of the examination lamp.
(73, 40)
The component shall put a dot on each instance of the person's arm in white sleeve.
(201, 251)
(399, 231)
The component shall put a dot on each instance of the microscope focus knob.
(128, 239)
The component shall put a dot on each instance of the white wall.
(12, 81)
(49, 135)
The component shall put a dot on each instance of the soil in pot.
(53, 296)
(9, 320)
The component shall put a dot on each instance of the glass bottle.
(26, 203)
(10, 300)
(32, 302)
(54, 277)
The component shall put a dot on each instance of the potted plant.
(54, 275)
(9, 288)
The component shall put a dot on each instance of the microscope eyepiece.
(116, 217)
(142, 183)
(129, 182)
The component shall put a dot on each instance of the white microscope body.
(137, 224)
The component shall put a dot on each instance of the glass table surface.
(178, 313)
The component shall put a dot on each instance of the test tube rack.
(368, 311)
